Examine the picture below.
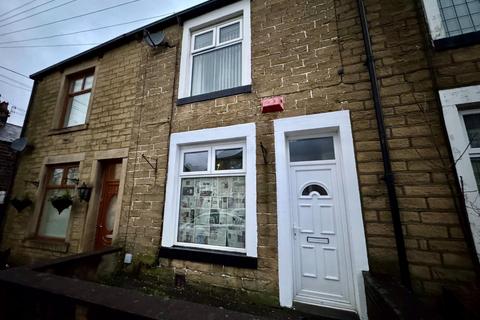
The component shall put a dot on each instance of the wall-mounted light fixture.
(84, 192)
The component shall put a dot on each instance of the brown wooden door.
(108, 204)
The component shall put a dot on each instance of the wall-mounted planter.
(20, 203)
(61, 202)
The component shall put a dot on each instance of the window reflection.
(312, 149)
(195, 161)
(228, 159)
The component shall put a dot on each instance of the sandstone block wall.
(312, 54)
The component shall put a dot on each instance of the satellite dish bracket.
(152, 43)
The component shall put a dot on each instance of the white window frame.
(242, 135)
(454, 102)
(214, 20)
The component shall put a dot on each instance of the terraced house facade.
(277, 147)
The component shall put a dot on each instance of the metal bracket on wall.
(154, 167)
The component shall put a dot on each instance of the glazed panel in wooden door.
(108, 204)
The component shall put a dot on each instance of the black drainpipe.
(387, 167)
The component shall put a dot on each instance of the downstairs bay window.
(211, 191)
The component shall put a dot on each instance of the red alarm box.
(272, 104)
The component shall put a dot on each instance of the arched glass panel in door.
(311, 188)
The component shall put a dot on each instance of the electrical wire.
(19, 7)
(70, 18)
(20, 74)
(16, 81)
(17, 14)
(86, 30)
(15, 86)
(37, 13)
(52, 45)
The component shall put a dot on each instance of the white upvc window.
(216, 51)
(471, 127)
(461, 111)
(211, 191)
(448, 18)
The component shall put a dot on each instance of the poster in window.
(236, 237)
(214, 216)
(188, 191)
(185, 233)
(211, 212)
(201, 234)
(203, 217)
(218, 236)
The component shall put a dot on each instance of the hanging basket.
(61, 202)
(20, 204)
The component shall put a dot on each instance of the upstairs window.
(217, 58)
(453, 23)
(78, 99)
(460, 16)
(216, 53)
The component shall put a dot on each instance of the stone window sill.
(68, 129)
(214, 95)
(209, 256)
(462, 40)
(47, 245)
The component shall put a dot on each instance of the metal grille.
(460, 16)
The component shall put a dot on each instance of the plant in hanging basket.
(20, 203)
(62, 201)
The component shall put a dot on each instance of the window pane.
(212, 211)
(76, 85)
(203, 40)
(88, 82)
(57, 175)
(229, 159)
(72, 176)
(312, 149)
(195, 161)
(472, 123)
(230, 32)
(77, 110)
(53, 224)
(217, 70)
(460, 16)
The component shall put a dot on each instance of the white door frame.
(339, 122)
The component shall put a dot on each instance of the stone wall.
(109, 127)
(311, 53)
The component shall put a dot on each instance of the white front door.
(322, 263)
